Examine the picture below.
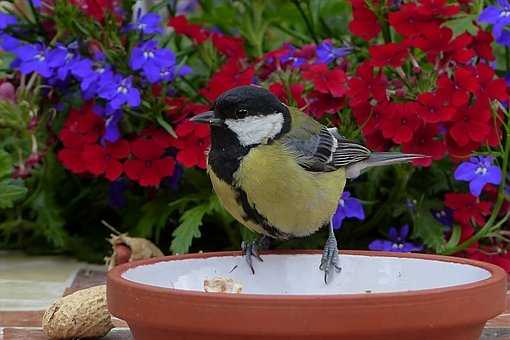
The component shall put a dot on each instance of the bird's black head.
(252, 113)
(244, 101)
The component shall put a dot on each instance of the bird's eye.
(242, 112)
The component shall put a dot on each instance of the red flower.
(96, 8)
(438, 42)
(369, 117)
(433, 109)
(364, 22)
(81, 127)
(410, 21)
(327, 81)
(296, 93)
(106, 159)
(471, 123)
(457, 152)
(232, 47)
(180, 108)
(400, 122)
(490, 87)
(181, 25)
(437, 8)
(425, 142)
(391, 54)
(365, 85)
(148, 165)
(481, 44)
(230, 75)
(158, 136)
(376, 141)
(320, 104)
(458, 89)
(192, 144)
(467, 208)
(72, 159)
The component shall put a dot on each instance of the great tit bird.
(280, 172)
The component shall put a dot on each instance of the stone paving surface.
(20, 322)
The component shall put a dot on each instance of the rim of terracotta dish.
(497, 275)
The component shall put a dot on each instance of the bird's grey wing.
(323, 149)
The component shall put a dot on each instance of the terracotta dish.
(376, 296)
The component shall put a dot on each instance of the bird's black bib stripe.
(253, 215)
(226, 153)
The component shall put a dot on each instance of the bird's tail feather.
(379, 159)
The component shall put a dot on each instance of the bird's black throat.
(226, 153)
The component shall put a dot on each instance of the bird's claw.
(251, 249)
(330, 258)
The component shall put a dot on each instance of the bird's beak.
(208, 117)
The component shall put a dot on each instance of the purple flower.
(169, 73)
(8, 43)
(478, 171)
(291, 57)
(186, 6)
(326, 53)
(7, 92)
(499, 17)
(149, 23)
(116, 191)
(33, 58)
(443, 216)
(91, 74)
(6, 20)
(397, 241)
(63, 60)
(119, 91)
(348, 207)
(152, 60)
(111, 124)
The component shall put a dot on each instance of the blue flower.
(33, 58)
(63, 60)
(111, 124)
(149, 23)
(116, 191)
(91, 74)
(478, 171)
(499, 17)
(348, 207)
(326, 53)
(444, 216)
(6, 20)
(170, 73)
(152, 60)
(397, 241)
(119, 91)
(8, 43)
(291, 57)
(186, 6)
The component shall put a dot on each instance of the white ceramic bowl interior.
(299, 274)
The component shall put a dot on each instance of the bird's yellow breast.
(293, 200)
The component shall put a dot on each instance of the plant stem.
(308, 23)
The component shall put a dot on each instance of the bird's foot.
(330, 259)
(251, 249)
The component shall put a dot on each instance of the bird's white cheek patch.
(256, 129)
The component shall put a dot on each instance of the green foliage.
(10, 192)
(426, 228)
(190, 222)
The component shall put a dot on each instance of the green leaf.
(10, 192)
(154, 218)
(463, 24)
(5, 164)
(427, 228)
(189, 228)
(166, 126)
